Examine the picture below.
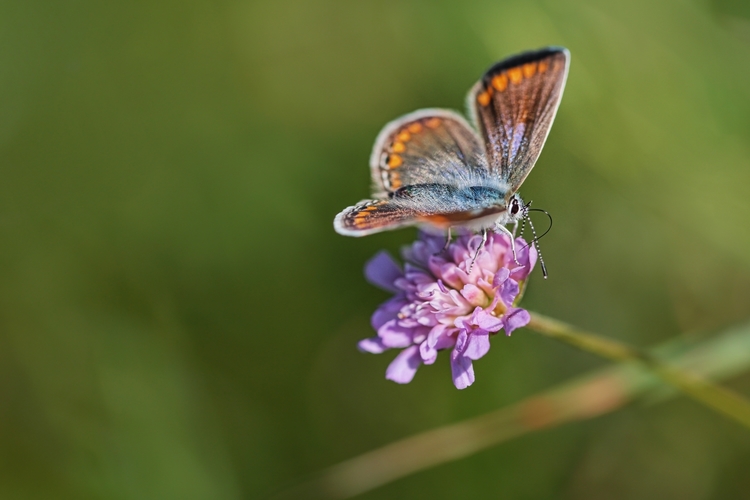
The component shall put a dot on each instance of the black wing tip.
(526, 57)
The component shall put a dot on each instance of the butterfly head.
(515, 210)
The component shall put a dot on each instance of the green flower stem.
(715, 397)
(582, 398)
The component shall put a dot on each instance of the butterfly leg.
(448, 240)
(505, 230)
(481, 245)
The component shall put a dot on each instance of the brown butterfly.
(432, 168)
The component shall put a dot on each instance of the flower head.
(441, 301)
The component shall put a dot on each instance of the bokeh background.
(178, 319)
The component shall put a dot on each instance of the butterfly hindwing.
(373, 216)
(427, 146)
(437, 205)
(514, 105)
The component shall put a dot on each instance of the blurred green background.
(179, 319)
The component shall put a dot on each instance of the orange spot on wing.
(398, 147)
(500, 82)
(515, 75)
(436, 220)
(415, 128)
(483, 98)
(395, 180)
(529, 69)
(433, 122)
(543, 65)
(395, 161)
(404, 136)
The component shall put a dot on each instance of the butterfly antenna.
(536, 238)
(523, 225)
(548, 216)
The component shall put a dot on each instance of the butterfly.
(433, 168)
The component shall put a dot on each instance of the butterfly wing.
(373, 216)
(436, 205)
(514, 105)
(424, 147)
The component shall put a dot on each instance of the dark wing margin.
(513, 106)
(426, 146)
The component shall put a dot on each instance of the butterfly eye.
(514, 207)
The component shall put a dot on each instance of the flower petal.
(501, 276)
(461, 340)
(515, 318)
(447, 272)
(480, 318)
(508, 291)
(394, 335)
(474, 295)
(428, 353)
(527, 256)
(373, 345)
(382, 271)
(387, 311)
(478, 344)
(402, 369)
(486, 321)
(422, 250)
(462, 371)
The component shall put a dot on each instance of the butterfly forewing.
(427, 146)
(514, 105)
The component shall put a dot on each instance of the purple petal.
(422, 250)
(419, 334)
(515, 318)
(402, 369)
(486, 321)
(447, 272)
(461, 340)
(508, 292)
(480, 318)
(387, 311)
(428, 353)
(382, 271)
(394, 335)
(478, 344)
(434, 336)
(447, 339)
(460, 252)
(527, 257)
(462, 371)
(442, 337)
(373, 345)
(500, 277)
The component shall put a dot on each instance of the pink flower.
(438, 304)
